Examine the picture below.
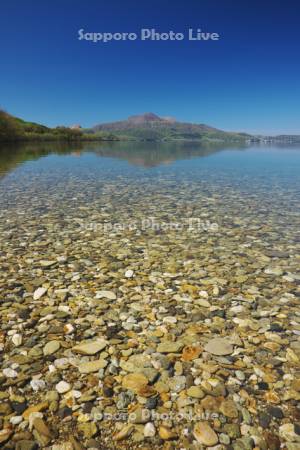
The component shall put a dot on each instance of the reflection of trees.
(146, 154)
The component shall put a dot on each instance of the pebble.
(17, 340)
(205, 435)
(90, 348)
(219, 347)
(62, 387)
(51, 347)
(129, 273)
(111, 324)
(149, 430)
(10, 373)
(92, 366)
(39, 292)
(109, 295)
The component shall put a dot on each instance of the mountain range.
(151, 127)
(143, 127)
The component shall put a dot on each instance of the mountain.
(151, 127)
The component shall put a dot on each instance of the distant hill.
(151, 127)
(14, 129)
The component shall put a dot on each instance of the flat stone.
(26, 444)
(17, 339)
(204, 434)
(219, 347)
(109, 295)
(229, 409)
(51, 347)
(90, 348)
(124, 433)
(195, 392)
(39, 292)
(134, 382)
(88, 429)
(92, 366)
(170, 347)
(166, 433)
(177, 384)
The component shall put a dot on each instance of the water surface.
(109, 193)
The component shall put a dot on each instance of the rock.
(90, 348)
(191, 352)
(204, 434)
(124, 433)
(245, 443)
(92, 366)
(129, 273)
(5, 434)
(88, 429)
(38, 293)
(109, 295)
(15, 420)
(166, 433)
(195, 392)
(47, 263)
(169, 347)
(139, 415)
(233, 430)
(17, 340)
(68, 328)
(177, 384)
(26, 445)
(5, 409)
(51, 347)
(264, 419)
(10, 373)
(219, 347)
(37, 385)
(276, 412)
(63, 446)
(35, 408)
(287, 432)
(42, 432)
(134, 382)
(229, 409)
(149, 430)
(204, 303)
(62, 387)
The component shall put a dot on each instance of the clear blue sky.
(247, 81)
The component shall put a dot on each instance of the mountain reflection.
(144, 154)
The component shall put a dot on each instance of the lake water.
(158, 248)
(251, 190)
(189, 202)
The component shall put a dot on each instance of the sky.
(248, 80)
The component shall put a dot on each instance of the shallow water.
(190, 202)
(185, 243)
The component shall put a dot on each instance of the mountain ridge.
(150, 126)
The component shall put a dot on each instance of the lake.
(176, 264)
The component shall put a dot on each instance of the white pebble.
(10, 373)
(15, 420)
(17, 340)
(38, 385)
(129, 273)
(149, 430)
(38, 293)
(62, 387)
